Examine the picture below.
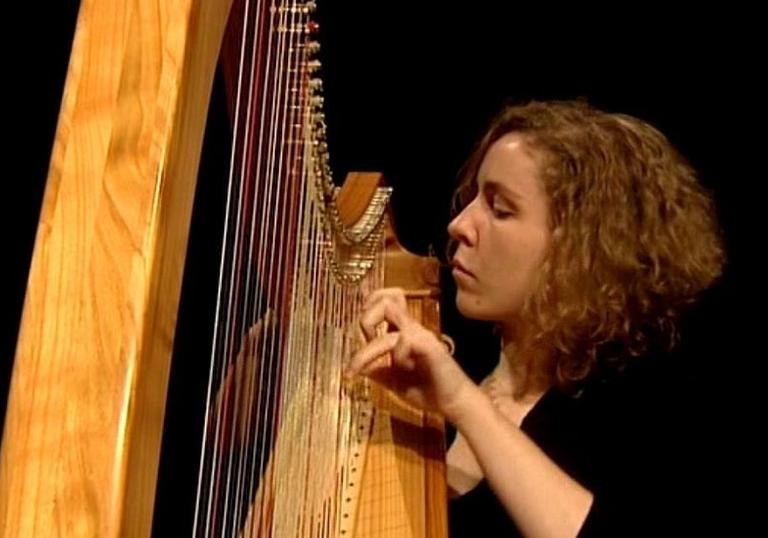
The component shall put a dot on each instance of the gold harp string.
(288, 268)
(274, 364)
(292, 374)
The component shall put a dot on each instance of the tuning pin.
(313, 47)
(313, 27)
(316, 84)
(316, 102)
(321, 146)
(313, 66)
(319, 149)
(319, 127)
(310, 7)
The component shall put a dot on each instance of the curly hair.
(637, 235)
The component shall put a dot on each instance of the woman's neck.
(519, 371)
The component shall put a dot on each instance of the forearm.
(541, 498)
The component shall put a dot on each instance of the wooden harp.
(81, 440)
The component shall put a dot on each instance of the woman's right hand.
(420, 370)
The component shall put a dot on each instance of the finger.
(378, 364)
(369, 321)
(377, 347)
(381, 372)
(394, 294)
(402, 353)
(384, 310)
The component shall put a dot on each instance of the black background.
(408, 90)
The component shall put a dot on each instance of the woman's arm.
(541, 498)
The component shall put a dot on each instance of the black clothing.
(634, 439)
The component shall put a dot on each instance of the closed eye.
(500, 207)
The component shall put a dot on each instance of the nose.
(461, 228)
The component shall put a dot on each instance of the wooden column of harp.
(82, 435)
(81, 441)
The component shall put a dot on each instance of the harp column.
(82, 435)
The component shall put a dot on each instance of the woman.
(582, 235)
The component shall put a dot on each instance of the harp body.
(81, 441)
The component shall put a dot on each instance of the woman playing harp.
(582, 235)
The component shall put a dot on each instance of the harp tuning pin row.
(313, 47)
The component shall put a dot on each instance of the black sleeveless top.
(629, 439)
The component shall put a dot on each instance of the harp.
(82, 435)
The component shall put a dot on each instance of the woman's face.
(502, 234)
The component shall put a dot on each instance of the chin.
(472, 308)
(478, 308)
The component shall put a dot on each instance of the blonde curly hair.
(638, 237)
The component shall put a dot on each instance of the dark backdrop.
(408, 90)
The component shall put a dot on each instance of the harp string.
(307, 275)
(241, 331)
(257, 310)
(249, 330)
(215, 407)
(260, 305)
(224, 341)
(286, 243)
(283, 321)
(255, 177)
(275, 265)
(267, 230)
(232, 338)
(300, 333)
(250, 452)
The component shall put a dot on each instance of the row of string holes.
(356, 455)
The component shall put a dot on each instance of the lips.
(460, 269)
